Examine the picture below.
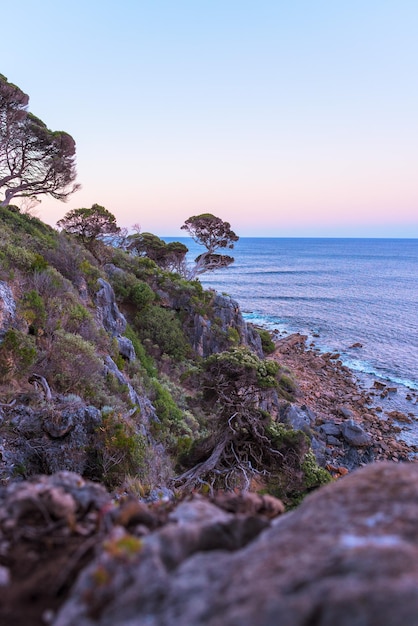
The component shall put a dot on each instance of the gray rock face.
(126, 348)
(107, 310)
(43, 441)
(208, 338)
(348, 555)
(7, 307)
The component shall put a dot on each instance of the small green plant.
(146, 361)
(33, 311)
(233, 336)
(287, 386)
(118, 452)
(267, 342)
(123, 548)
(91, 274)
(39, 263)
(171, 429)
(242, 363)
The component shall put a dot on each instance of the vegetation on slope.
(166, 414)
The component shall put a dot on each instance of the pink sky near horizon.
(285, 119)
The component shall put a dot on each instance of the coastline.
(329, 390)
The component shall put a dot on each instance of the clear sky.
(283, 117)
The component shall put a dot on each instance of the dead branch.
(40, 381)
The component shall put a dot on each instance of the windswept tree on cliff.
(169, 256)
(213, 233)
(89, 225)
(33, 159)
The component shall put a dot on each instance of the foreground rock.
(348, 555)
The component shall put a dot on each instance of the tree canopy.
(213, 233)
(33, 159)
(169, 256)
(89, 224)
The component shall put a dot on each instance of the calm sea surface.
(338, 292)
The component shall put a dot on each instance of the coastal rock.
(354, 434)
(298, 418)
(330, 429)
(112, 368)
(345, 412)
(228, 312)
(347, 555)
(208, 338)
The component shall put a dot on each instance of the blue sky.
(284, 118)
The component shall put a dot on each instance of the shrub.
(242, 367)
(233, 336)
(91, 274)
(74, 366)
(119, 451)
(39, 264)
(130, 290)
(267, 342)
(172, 429)
(163, 328)
(33, 311)
(287, 387)
(145, 360)
(17, 354)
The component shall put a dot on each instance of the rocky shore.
(343, 417)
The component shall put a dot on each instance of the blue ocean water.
(338, 292)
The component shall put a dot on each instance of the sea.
(339, 293)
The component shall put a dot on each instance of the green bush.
(17, 257)
(141, 295)
(145, 360)
(172, 429)
(162, 327)
(119, 451)
(73, 365)
(287, 387)
(130, 290)
(39, 264)
(233, 336)
(33, 311)
(17, 354)
(267, 342)
(242, 364)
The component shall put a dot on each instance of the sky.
(285, 118)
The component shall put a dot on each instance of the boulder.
(347, 555)
(298, 418)
(354, 434)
